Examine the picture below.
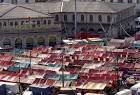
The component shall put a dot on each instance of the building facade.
(28, 25)
(98, 18)
(95, 17)
(35, 1)
(24, 1)
(21, 27)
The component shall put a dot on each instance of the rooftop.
(69, 6)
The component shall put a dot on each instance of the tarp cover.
(66, 77)
(94, 86)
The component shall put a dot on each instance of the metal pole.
(30, 59)
(117, 71)
(62, 69)
(19, 80)
(75, 19)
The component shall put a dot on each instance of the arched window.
(91, 29)
(29, 42)
(18, 43)
(91, 18)
(11, 23)
(38, 22)
(138, 1)
(26, 1)
(16, 23)
(22, 22)
(108, 18)
(82, 30)
(111, 1)
(52, 41)
(45, 22)
(41, 41)
(100, 18)
(100, 30)
(6, 42)
(82, 17)
(120, 1)
(4, 24)
(65, 17)
(130, 1)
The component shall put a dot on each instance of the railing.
(29, 28)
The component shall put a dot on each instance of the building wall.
(33, 1)
(116, 1)
(26, 31)
(125, 18)
(24, 37)
(17, 1)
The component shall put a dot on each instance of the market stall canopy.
(93, 94)
(59, 84)
(135, 87)
(136, 44)
(92, 66)
(93, 86)
(68, 42)
(96, 41)
(59, 76)
(124, 92)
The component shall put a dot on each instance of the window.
(14, 2)
(138, 1)
(4, 24)
(65, 17)
(129, 1)
(45, 22)
(49, 21)
(22, 22)
(40, 0)
(26, 1)
(73, 17)
(11, 23)
(33, 24)
(108, 18)
(111, 0)
(82, 17)
(38, 22)
(120, 1)
(91, 29)
(100, 18)
(82, 29)
(1, 1)
(56, 18)
(16, 23)
(91, 18)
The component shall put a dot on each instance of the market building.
(93, 17)
(21, 27)
(35, 24)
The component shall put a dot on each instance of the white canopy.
(124, 92)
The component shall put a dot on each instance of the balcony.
(29, 29)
